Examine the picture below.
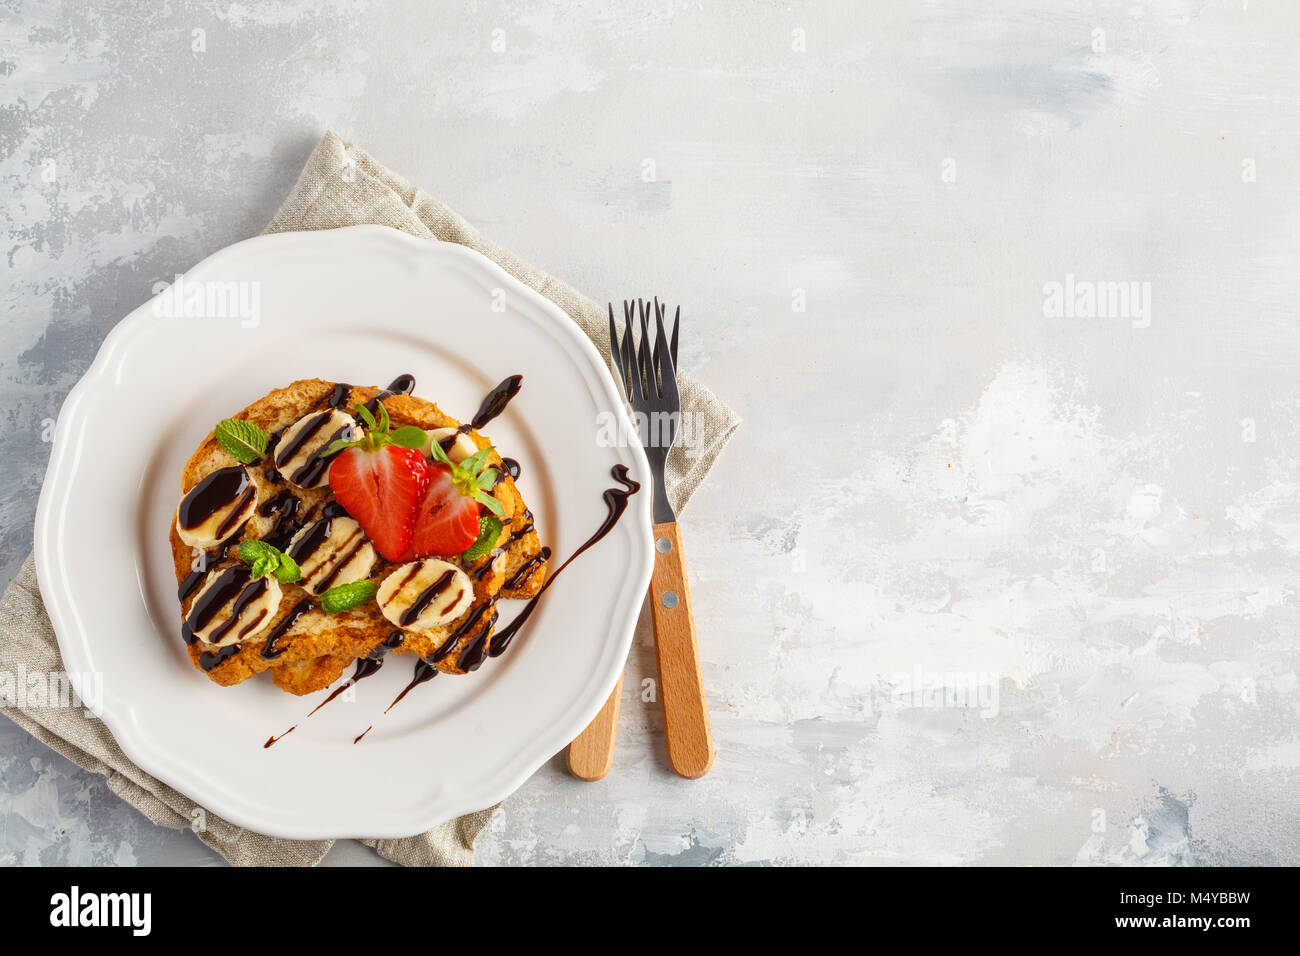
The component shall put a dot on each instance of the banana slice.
(425, 594)
(232, 607)
(216, 507)
(457, 449)
(300, 451)
(331, 552)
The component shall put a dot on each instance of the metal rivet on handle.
(663, 545)
(669, 599)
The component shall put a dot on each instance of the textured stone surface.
(1097, 517)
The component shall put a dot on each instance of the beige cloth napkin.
(341, 185)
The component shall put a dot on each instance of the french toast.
(274, 605)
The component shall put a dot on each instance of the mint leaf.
(489, 529)
(474, 463)
(251, 551)
(384, 422)
(487, 479)
(347, 596)
(263, 559)
(288, 571)
(490, 503)
(409, 436)
(366, 416)
(244, 440)
(437, 454)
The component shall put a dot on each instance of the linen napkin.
(341, 185)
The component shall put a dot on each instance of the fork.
(648, 377)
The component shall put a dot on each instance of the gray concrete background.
(862, 207)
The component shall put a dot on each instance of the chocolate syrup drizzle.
(210, 659)
(339, 396)
(424, 671)
(225, 486)
(426, 597)
(286, 504)
(210, 560)
(482, 571)
(509, 467)
(404, 384)
(309, 428)
(313, 469)
(224, 589)
(495, 403)
(366, 667)
(271, 649)
(235, 587)
(616, 500)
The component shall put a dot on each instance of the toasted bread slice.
(311, 649)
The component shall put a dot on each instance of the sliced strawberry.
(446, 521)
(382, 489)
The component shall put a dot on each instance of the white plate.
(358, 305)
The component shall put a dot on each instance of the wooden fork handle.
(681, 682)
(591, 753)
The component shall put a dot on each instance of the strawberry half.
(382, 489)
(381, 480)
(448, 519)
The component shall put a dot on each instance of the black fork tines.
(647, 370)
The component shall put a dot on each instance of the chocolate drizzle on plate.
(424, 672)
(271, 740)
(616, 500)
(366, 666)
(495, 403)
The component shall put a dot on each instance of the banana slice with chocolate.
(425, 594)
(232, 607)
(331, 552)
(300, 454)
(216, 507)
